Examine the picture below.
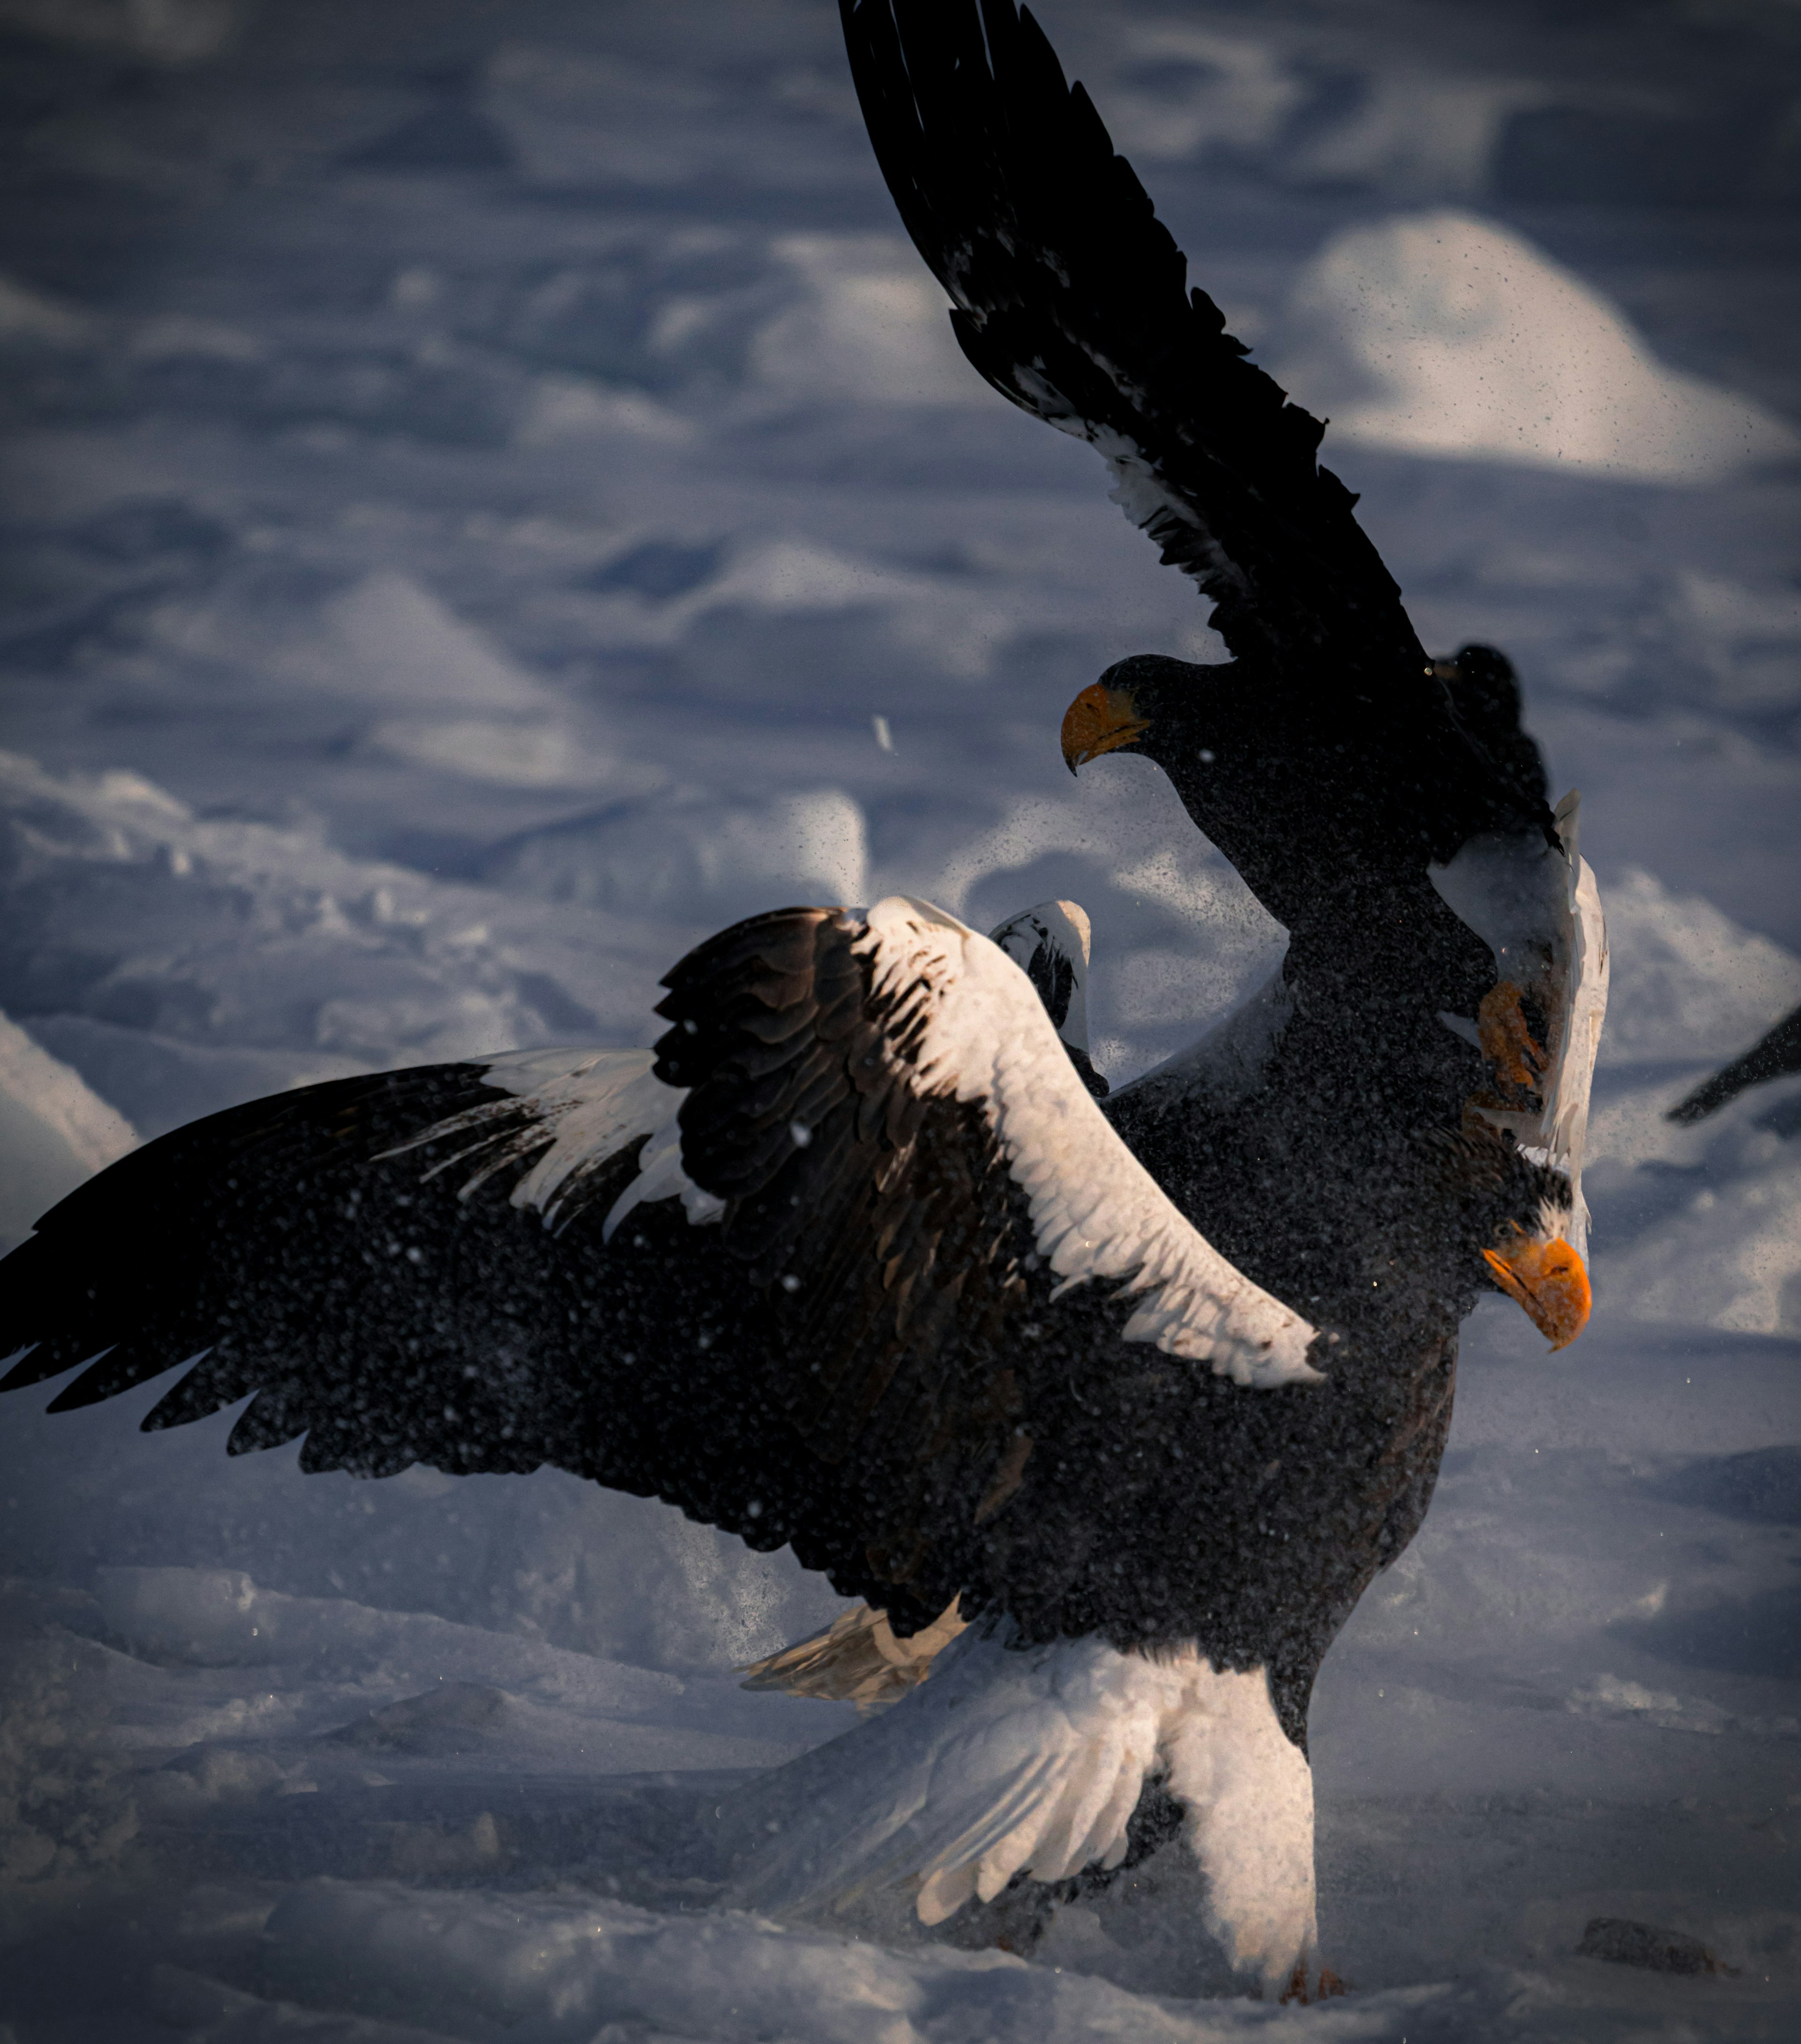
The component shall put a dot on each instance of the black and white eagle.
(1106, 1407)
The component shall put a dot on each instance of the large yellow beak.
(1101, 719)
(1549, 1281)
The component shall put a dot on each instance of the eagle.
(1105, 1405)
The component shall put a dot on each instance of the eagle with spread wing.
(1106, 1406)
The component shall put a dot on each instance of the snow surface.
(472, 480)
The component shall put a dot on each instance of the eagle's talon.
(1324, 1985)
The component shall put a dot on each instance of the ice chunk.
(1627, 1942)
(457, 1717)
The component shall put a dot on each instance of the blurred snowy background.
(489, 495)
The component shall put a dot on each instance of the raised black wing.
(1072, 300)
(854, 1263)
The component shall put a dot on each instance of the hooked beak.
(1101, 719)
(1549, 1281)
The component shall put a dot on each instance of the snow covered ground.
(473, 480)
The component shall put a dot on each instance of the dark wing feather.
(313, 1250)
(1072, 300)
(882, 1220)
(273, 1244)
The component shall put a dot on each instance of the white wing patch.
(1538, 909)
(583, 1108)
(1011, 1761)
(1584, 1010)
(1096, 1211)
(1138, 488)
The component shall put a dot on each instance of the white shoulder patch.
(1096, 1211)
(1031, 1761)
(1537, 908)
(583, 1107)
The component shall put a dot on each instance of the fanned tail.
(1031, 1761)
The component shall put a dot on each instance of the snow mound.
(54, 1132)
(1710, 1211)
(159, 1082)
(1698, 1224)
(1729, 1258)
(544, 1970)
(1688, 981)
(439, 692)
(691, 856)
(565, 408)
(127, 908)
(387, 639)
(871, 326)
(1440, 333)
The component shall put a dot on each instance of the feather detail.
(1096, 1211)
(1031, 1762)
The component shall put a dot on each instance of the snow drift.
(1441, 334)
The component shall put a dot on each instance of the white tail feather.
(1031, 1761)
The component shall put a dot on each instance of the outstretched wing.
(283, 1248)
(853, 1261)
(1072, 300)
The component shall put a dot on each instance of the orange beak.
(1549, 1279)
(1101, 719)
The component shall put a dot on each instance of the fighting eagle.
(1106, 1406)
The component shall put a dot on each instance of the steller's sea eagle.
(1119, 1399)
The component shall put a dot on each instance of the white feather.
(1538, 909)
(583, 1107)
(1032, 1761)
(1096, 1211)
